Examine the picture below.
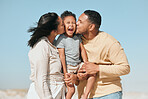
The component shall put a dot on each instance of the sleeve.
(79, 37)
(120, 65)
(60, 42)
(41, 71)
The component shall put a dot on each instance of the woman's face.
(60, 29)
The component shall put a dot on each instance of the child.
(70, 47)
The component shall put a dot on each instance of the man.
(106, 59)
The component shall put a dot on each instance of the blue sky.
(126, 20)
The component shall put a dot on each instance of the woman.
(46, 76)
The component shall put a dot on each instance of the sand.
(21, 94)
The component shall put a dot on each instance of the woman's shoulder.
(42, 43)
(40, 49)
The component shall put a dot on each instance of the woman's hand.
(71, 78)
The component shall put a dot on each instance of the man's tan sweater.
(107, 52)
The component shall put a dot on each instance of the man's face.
(83, 24)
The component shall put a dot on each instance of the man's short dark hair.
(67, 13)
(94, 17)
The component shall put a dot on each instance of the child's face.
(70, 25)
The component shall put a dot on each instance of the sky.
(126, 20)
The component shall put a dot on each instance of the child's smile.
(70, 25)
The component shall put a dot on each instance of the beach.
(13, 94)
(21, 94)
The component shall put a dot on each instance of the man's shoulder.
(107, 37)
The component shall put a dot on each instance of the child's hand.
(82, 76)
(66, 76)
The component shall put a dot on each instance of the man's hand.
(82, 69)
(91, 68)
(82, 76)
(82, 73)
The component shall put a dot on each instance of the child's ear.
(92, 27)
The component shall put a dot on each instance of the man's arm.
(91, 68)
(119, 65)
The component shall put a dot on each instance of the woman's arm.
(83, 53)
(41, 62)
(62, 57)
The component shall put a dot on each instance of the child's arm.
(62, 57)
(83, 53)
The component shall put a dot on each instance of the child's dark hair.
(45, 25)
(67, 13)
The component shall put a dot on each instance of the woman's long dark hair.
(45, 25)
